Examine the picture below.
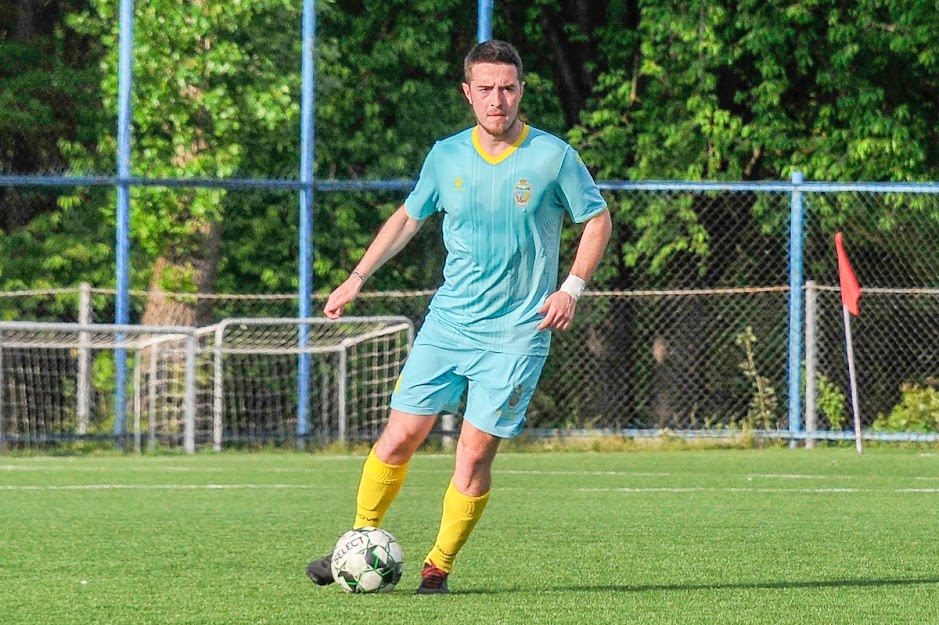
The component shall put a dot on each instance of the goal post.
(354, 364)
(235, 381)
(48, 395)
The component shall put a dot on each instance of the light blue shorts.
(498, 386)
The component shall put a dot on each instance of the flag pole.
(852, 379)
(850, 298)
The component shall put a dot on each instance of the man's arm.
(391, 239)
(560, 306)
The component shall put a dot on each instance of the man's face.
(494, 92)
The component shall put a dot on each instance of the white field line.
(312, 469)
(165, 487)
(793, 476)
(625, 490)
(731, 489)
(112, 468)
(78, 462)
(584, 473)
(495, 471)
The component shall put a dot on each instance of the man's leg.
(387, 465)
(463, 504)
(382, 477)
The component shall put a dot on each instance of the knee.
(392, 452)
(401, 437)
(472, 474)
(396, 446)
(471, 461)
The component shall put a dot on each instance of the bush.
(918, 410)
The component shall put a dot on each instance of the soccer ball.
(367, 559)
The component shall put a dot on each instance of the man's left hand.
(558, 311)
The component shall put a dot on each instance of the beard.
(499, 126)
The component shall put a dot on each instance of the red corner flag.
(850, 289)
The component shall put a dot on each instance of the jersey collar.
(495, 160)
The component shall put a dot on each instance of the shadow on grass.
(638, 588)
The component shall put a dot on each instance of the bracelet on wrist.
(358, 274)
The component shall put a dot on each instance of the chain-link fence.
(692, 326)
(892, 238)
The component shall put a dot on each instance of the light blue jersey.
(502, 230)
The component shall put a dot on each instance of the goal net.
(276, 379)
(238, 380)
(58, 381)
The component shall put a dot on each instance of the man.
(503, 187)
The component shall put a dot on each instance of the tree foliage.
(47, 94)
(753, 91)
(646, 90)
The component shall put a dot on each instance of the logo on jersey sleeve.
(522, 192)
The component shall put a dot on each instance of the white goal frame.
(324, 336)
(78, 340)
(178, 374)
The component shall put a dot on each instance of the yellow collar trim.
(495, 160)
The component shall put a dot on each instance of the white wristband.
(573, 286)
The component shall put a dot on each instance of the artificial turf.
(653, 537)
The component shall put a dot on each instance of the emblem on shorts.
(516, 396)
(522, 192)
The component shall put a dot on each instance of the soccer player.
(503, 188)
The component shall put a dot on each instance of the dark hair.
(493, 51)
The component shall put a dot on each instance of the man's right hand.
(345, 293)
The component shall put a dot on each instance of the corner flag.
(850, 298)
(850, 289)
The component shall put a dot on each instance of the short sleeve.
(424, 199)
(577, 189)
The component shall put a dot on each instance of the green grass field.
(677, 537)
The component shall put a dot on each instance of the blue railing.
(307, 185)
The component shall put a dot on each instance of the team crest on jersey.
(522, 192)
(458, 184)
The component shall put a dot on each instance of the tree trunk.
(616, 337)
(617, 396)
(574, 55)
(163, 309)
(25, 29)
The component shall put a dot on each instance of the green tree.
(688, 90)
(749, 91)
(47, 96)
(201, 84)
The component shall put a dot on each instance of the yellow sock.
(378, 487)
(460, 514)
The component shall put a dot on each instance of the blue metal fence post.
(484, 21)
(796, 241)
(307, 138)
(122, 307)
